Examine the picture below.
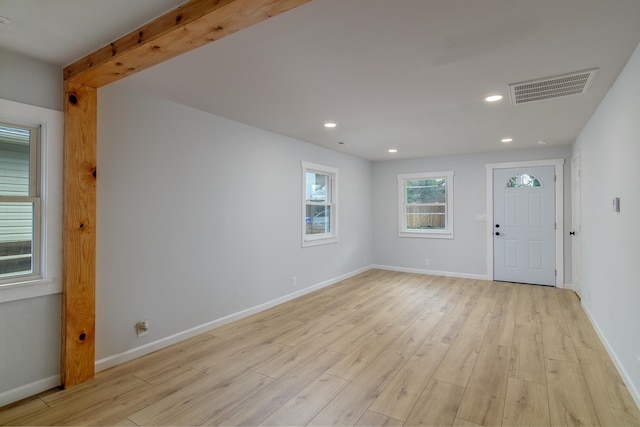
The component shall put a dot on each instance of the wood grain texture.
(527, 354)
(437, 406)
(398, 398)
(613, 404)
(79, 234)
(526, 404)
(188, 27)
(570, 402)
(280, 367)
(484, 397)
(181, 30)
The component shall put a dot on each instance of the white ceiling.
(405, 74)
(63, 31)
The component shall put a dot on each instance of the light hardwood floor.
(382, 348)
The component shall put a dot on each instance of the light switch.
(616, 204)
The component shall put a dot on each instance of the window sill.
(29, 289)
(321, 241)
(443, 235)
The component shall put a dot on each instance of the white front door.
(524, 225)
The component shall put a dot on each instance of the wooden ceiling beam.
(181, 30)
(188, 27)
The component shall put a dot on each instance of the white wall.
(609, 147)
(30, 81)
(199, 218)
(465, 254)
(30, 311)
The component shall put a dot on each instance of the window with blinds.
(19, 202)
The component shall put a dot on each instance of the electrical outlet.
(294, 281)
(365, 259)
(142, 328)
(427, 261)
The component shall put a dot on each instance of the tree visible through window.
(523, 180)
(425, 208)
(320, 187)
(19, 201)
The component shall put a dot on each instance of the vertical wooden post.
(194, 24)
(79, 234)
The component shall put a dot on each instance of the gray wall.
(609, 149)
(30, 328)
(30, 81)
(466, 253)
(199, 218)
(173, 174)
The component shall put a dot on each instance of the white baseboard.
(136, 352)
(432, 272)
(28, 390)
(621, 370)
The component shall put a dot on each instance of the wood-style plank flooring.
(381, 348)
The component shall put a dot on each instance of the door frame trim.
(559, 171)
(576, 286)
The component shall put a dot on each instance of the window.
(523, 180)
(19, 202)
(319, 204)
(425, 204)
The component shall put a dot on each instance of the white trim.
(29, 289)
(447, 233)
(431, 272)
(51, 135)
(29, 390)
(332, 236)
(559, 172)
(134, 353)
(635, 394)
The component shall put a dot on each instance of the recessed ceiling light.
(493, 98)
(542, 142)
(330, 125)
(506, 140)
(393, 150)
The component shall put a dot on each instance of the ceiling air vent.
(551, 87)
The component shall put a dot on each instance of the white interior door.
(524, 225)
(575, 222)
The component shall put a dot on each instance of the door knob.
(497, 225)
(572, 233)
(497, 233)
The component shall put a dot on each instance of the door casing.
(559, 216)
(576, 223)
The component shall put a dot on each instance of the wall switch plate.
(427, 261)
(294, 281)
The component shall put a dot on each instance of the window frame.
(51, 124)
(332, 202)
(403, 231)
(35, 198)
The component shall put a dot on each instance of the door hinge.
(555, 178)
(555, 226)
(555, 273)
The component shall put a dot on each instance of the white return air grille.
(551, 87)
